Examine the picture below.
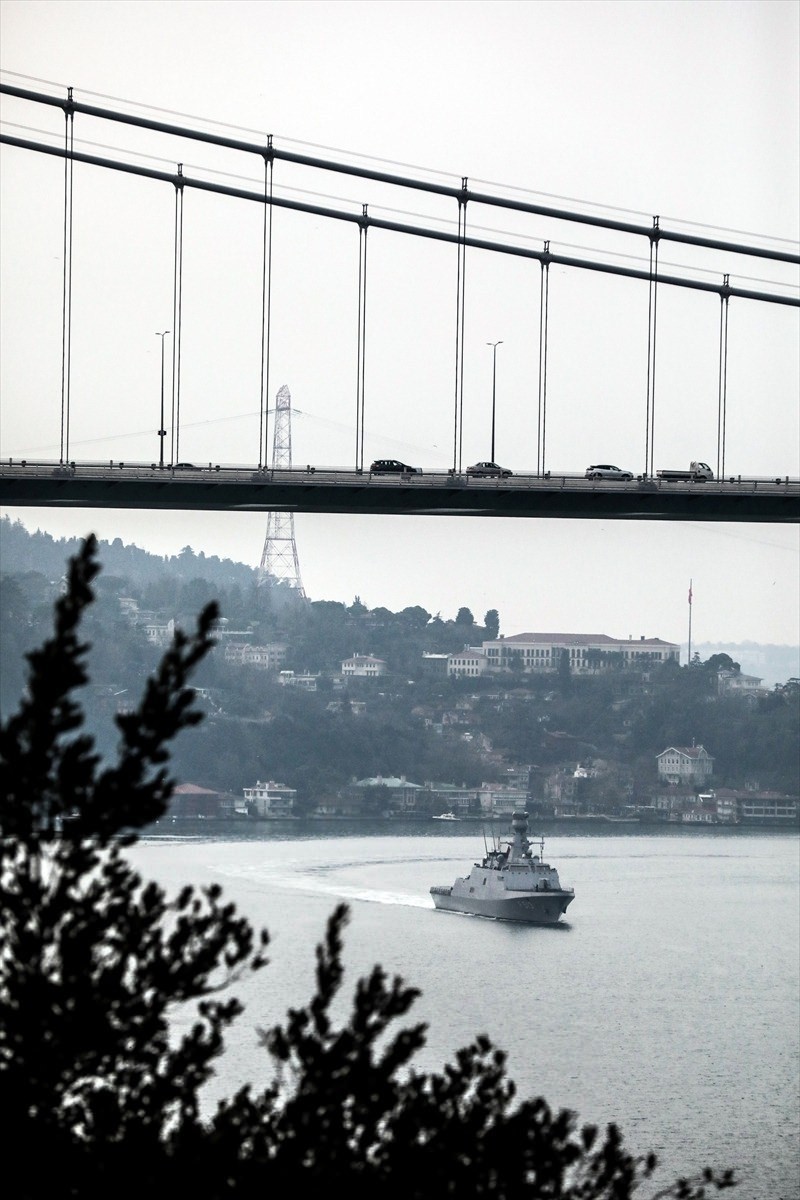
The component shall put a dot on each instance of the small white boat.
(448, 816)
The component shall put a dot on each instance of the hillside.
(414, 720)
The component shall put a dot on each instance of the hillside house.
(363, 666)
(270, 657)
(470, 661)
(734, 683)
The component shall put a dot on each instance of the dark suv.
(391, 466)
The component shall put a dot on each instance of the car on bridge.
(606, 471)
(392, 466)
(488, 470)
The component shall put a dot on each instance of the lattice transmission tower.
(279, 558)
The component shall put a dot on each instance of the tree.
(564, 674)
(465, 617)
(721, 662)
(96, 1095)
(414, 618)
(491, 623)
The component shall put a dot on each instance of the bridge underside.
(643, 501)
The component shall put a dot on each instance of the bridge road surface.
(212, 487)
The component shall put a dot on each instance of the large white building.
(587, 653)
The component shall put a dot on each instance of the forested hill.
(415, 721)
(21, 551)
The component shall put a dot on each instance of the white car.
(486, 470)
(606, 471)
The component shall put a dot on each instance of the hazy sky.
(685, 110)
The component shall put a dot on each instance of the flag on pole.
(690, 591)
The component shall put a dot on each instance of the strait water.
(667, 1000)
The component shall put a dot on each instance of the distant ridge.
(773, 664)
(24, 551)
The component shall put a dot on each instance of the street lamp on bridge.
(162, 433)
(494, 346)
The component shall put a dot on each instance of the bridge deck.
(244, 489)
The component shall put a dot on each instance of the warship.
(511, 883)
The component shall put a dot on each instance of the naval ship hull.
(543, 908)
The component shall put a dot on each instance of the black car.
(392, 466)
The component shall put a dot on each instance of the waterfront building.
(768, 808)
(189, 800)
(271, 800)
(686, 765)
(383, 796)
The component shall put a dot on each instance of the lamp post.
(162, 431)
(494, 346)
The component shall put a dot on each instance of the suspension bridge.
(260, 483)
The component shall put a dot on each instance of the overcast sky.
(689, 111)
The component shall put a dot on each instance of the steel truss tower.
(279, 558)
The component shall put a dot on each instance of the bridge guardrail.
(430, 478)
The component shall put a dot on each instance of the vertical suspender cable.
(266, 306)
(544, 305)
(652, 308)
(66, 300)
(463, 317)
(177, 278)
(358, 344)
(362, 337)
(363, 332)
(458, 404)
(723, 376)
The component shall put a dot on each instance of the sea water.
(666, 1000)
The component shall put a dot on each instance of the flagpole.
(689, 663)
